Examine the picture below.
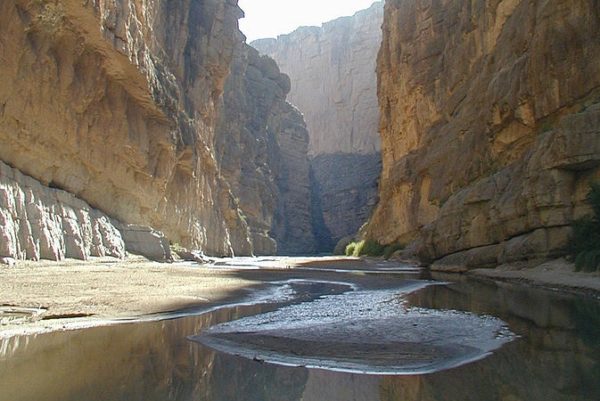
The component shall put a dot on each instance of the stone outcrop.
(490, 127)
(115, 102)
(333, 83)
(37, 222)
(146, 241)
(261, 146)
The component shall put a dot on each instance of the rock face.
(37, 222)
(344, 194)
(145, 241)
(490, 126)
(261, 146)
(333, 83)
(115, 102)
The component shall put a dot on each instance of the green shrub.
(371, 248)
(340, 247)
(584, 246)
(364, 248)
(350, 249)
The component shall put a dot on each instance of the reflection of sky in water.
(362, 331)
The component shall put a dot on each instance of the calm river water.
(328, 336)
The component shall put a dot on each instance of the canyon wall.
(38, 222)
(114, 101)
(261, 146)
(490, 127)
(333, 83)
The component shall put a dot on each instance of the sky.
(269, 18)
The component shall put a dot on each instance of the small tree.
(584, 246)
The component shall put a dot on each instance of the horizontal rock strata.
(490, 126)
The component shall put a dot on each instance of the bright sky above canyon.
(269, 18)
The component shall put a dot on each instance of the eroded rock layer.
(262, 145)
(115, 102)
(37, 222)
(490, 126)
(333, 83)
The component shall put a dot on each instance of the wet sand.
(558, 275)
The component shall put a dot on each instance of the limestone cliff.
(261, 146)
(333, 83)
(37, 222)
(490, 126)
(114, 101)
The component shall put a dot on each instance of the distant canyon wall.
(333, 83)
(490, 126)
(261, 147)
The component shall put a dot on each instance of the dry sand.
(106, 288)
(74, 294)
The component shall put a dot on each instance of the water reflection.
(556, 358)
(149, 361)
(365, 331)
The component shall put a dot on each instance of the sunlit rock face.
(261, 146)
(37, 222)
(115, 102)
(333, 83)
(490, 126)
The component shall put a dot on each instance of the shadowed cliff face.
(344, 194)
(261, 147)
(333, 83)
(114, 101)
(490, 126)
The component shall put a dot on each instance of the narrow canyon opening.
(333, 84)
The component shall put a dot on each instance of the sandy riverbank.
(81, 294)
(558, 275)
(73, 293)
(87, 292)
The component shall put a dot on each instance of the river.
(319, 334)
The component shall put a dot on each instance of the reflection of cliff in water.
(141, 361)
(556, 358)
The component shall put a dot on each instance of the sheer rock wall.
(114, 101)
(262, 150)
(490, 126)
